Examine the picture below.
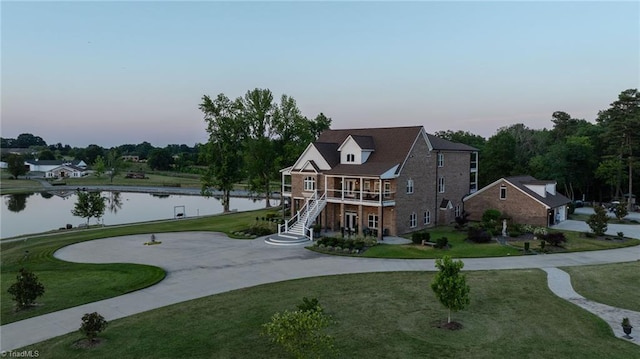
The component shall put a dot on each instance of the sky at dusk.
(112, 73)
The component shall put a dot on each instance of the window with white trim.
(440, 159)
(456, 211)
(373, 220)
(387, 189)
(503, 192)
(427, 217)
(413, 220)
(309, 183)
(410, 186)
(351, 157)
(441, 184)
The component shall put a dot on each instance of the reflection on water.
(17, 202)
(26, 213)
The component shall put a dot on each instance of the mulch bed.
(88, 344)
(449, 326)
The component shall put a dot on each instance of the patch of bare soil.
(85, 343)
(449, 326)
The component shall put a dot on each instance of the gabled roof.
(71, 167)
(329, 151)
(392, 146)
(520, 182)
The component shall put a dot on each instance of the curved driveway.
(199, 264)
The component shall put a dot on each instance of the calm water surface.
(41, 212)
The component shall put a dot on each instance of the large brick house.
(524, 199)
(390, 181)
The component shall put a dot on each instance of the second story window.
(440, 159)
(387, 189)
(309, 183)
(410, 186)
(503, 192)
(441, 184)
(351, 157)
(427, 217)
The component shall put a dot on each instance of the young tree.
(450, 286)
(16, 166)
(224, 151)
(27, 288)
(620, 210)
(92, 325)
(99, 166)
(113, 163)
(598, 221)
(88, 205)
(301, 333)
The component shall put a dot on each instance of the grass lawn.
(585, 217)
(578, 242)
(154, 180)
(71, 284)
(617, 285)
(378, 315)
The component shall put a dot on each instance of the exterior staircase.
(298, 230)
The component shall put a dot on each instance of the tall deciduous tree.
(261, 156)
(498, 158)
(450, 286)
(89, 205)
(113, 163)
(224, 150)
(160, 159)
(16, 166)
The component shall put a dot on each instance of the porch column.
(380, 222)
(360, 220)
(361, 189)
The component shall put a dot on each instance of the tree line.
(596, 161)
(253, 136)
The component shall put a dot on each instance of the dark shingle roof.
(392, 145)
(365, 142)
(329, 151)
(550, 200)
(446, 145)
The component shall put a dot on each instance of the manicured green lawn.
(578, 242)
(71, 284)
(617, 285)
(378, 315)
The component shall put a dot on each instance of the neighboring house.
(524, 199)
(3, 164)
(49, 165)
(65, 171)
(388, 180)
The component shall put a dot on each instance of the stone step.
(280, 240)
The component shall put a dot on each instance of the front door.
(350, 221)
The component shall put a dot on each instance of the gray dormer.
(355, 150)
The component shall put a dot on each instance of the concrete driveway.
(629, 230)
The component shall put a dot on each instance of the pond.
(29, 213)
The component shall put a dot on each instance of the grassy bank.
(378, 315)
(71, 284)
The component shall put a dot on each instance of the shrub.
(540, 231)
(621, 234)
(27, 288)
(442, 242)
(491, 217)
(462, 220)
(514, 234)
(346, 250)
(92, 324)
(262, 229)
(527, 228)
(598, 221)
(555, 239)
(418, 237)
(478, 235)
(307, 304)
